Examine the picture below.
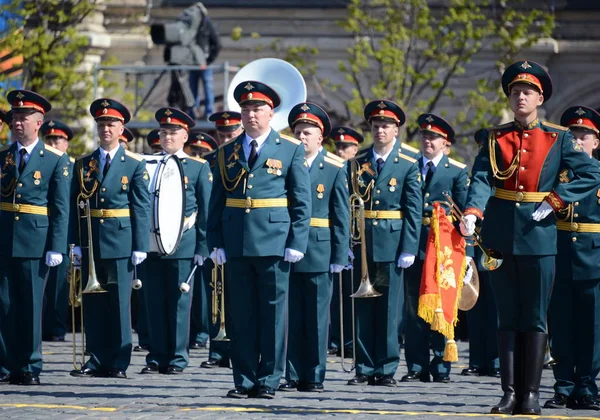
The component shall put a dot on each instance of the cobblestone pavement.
(200, 394)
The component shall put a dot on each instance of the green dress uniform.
(393, 206)
(522, 163)
(574, 312)
(439, 175)
(257, 212)
(56, 294)
(482, 319)
(168, 309)
(311, 279)
(34, 215)
(120, 224)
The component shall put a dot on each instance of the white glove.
(468, 274)
(218, 256)
(351, 254)
(53, 258)
(469, 259)
(542, 211)
(336, 268)
(467, 224)
(199, 259)
(77, 255)
(292, 256)
(348, 267)
(138, 257)
(405, 260)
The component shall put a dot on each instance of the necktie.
(253, 154)
(380, 163)
(106, 165)
(429, 175)
(22, 162)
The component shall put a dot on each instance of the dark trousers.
(21, 296)
(200, 321)
(168, 311)
(218, 350)
(522, 287)
(482, 321)
(377, 352)
(259, 289)
(574, 321)
(419, 337)
(56, 302)
(348, 287)
(309, 298)
(107, 316)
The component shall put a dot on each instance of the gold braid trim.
(223, 171)
(10, 189)
(366, 196)
(85, 193)
(498, 174)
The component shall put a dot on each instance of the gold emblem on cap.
(105, 103)
(250, 96)
(341, 131)
(382, 105)
(429, 118)
(51, 124)
(51, 131)
(381, 112)
(226, 122)
(248, 86)
(168, 120)
(341, 137)
(20, 104)
(168, 112)
(304, 107)
(579, 121)
(20, 95)
(580, 111)
(303, 116)
(104, 111)
(522, 76)
(226, 115)
(428, 127)
(525, 65)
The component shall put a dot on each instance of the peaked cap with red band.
(173, 117)
(27, 101)
(226, 120)
(105, 108)
(386, 111)
(308, 112)
(254, 91)
(127, 135)
(346, 135)
(433, 124)
(481, 136)
(202, 140)
(581, 117)
(153, 138)
(528, 72)
(56, 128)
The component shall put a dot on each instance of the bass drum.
(167, 195)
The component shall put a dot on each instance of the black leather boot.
(534, 350)
(506, 353)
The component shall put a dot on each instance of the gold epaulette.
(409, 148)
(53, 150)
(333, 162)
(457, 163)
(290, 139)
(72, 159)
(406, 157)
(556, 126)
(134, 155)
(334, 156)
(197, 159)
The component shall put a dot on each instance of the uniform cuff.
(473, 210)
(555, 201)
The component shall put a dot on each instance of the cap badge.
(382, 105)
(579, 121)
(225, 115)
(429, 118)
(525, 65)
(248, 86)
(51, 124)
(20, 95)
(304, 108)
(105, 103)
(341, 137)
(580, 111)
(341, 131)
(168, 112)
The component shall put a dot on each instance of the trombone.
(218, 300)
(365, 289)
(490, 260)
(75, 300)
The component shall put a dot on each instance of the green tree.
(414, 54)
(46, 34)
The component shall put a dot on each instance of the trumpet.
(218, 300)
(490, 260)
(75, 300)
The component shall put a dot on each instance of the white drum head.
(168, 202)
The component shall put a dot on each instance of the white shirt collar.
(29, 148)
(260, 139)
(436, 160)
(181, 154)
(310, 160)
(112, 153)
(384, 157)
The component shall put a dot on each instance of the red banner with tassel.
(442, 279)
